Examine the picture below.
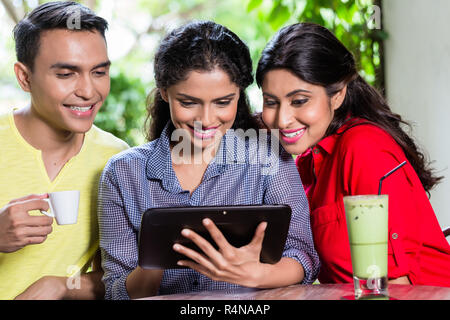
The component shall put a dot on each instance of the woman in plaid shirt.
(201, 72)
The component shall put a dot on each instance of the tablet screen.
(161, 229)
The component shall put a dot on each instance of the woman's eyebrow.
(270, 95)
(228, 96)
(290, 94)
(186, 96)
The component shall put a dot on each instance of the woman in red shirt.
(347, 138)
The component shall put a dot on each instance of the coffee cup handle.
(49, 214)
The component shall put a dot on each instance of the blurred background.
(402, 48)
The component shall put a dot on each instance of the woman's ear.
(338, 98)
(164, 96)
(23, 74)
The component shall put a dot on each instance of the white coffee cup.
(63, 206)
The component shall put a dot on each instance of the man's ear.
(163, 93)
(338, 98)
(23, 75)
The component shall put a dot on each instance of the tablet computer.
(161, 229)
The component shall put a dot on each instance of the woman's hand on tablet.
(235, 265)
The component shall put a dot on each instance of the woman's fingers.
(224, 263)
(216, 234)
(201, 242)
(258, 238)
(214, 274)
(215, 256)
(195, 266)
(194, 255)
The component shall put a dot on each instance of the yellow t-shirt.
(68, 249)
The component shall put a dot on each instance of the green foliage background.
(123, 113)
(255, 21)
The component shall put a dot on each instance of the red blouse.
(351, 162)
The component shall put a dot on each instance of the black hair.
(53, 15)
(200, 46)
(316, 56)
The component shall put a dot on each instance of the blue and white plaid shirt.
(143, 177)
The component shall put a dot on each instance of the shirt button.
(195, 283)
(394, 236)
(316, 151)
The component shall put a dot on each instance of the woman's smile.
(293, 135)
(203, 133)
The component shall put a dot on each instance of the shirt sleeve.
(285, 187)
(369, 153)
(118, 242)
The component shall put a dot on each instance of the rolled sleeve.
(285, 187)
(118, 289)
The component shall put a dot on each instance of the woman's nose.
(206, 116)
(285, 116)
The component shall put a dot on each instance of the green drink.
(367, 225)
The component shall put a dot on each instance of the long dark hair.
(316, 56)
(199, 45)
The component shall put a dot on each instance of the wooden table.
(313, 292)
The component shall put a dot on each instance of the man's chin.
(80, 128)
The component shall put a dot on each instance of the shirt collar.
(328, 143)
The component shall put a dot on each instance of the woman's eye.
(270, 103)
(186, 103)
(223, 103)
(299, 102)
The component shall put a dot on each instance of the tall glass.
(367, 225)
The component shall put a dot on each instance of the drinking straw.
(388, 174)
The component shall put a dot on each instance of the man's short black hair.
(53, 15)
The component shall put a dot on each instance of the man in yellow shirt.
(51, 145)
